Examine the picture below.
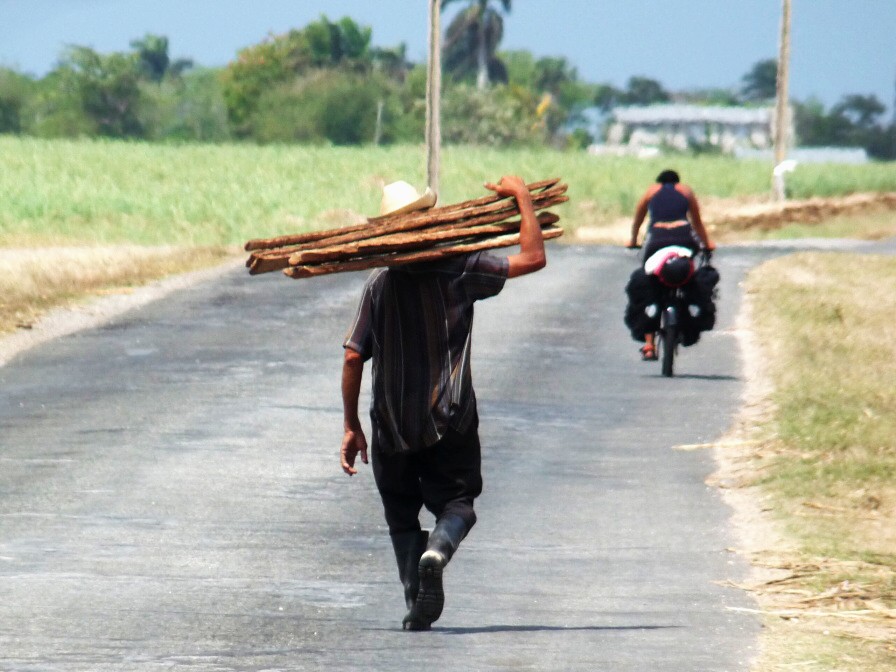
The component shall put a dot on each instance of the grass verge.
(825, 460)
(34, 280)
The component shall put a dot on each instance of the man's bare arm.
(532, 255)
(353, 441)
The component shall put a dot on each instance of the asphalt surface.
(170, 494)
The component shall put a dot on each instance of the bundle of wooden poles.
(423, 235)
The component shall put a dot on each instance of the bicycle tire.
(670, 334)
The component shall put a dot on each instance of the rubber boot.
(409, 546)
(443, 541)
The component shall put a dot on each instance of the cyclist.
(674, 222)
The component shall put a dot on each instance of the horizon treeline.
(327, 83)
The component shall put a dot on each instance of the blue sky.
(838, 47)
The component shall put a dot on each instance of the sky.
(838, 47)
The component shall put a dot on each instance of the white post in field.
(433, 97)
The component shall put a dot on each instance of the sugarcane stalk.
(413, 240)
(432, 254)
(282, 241)
(255, 263)
(471, 217)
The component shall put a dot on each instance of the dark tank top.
(668, 205)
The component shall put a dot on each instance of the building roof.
(658, 114)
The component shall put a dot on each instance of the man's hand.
(353, 443)
(509, 185)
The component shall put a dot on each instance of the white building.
(681, 127)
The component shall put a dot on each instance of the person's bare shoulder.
(684, 190)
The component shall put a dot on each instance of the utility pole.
(433, 97)
(782, 107)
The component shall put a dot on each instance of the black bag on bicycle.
(700, 295)
(642, 311)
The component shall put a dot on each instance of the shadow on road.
(696, 376)
(545, 628)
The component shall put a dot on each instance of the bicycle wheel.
(670, 336)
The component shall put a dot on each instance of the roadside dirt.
(727, 218)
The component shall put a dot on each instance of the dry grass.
(35, 280)
(817, 462)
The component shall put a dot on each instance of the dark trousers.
(445, 478)
(658, 237)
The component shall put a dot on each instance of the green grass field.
(104, 192)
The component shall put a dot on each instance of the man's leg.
(399, 489)
(451, 479)
(408, 547)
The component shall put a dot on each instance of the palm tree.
(472, 39)
(152, 55)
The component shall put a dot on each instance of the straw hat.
(400, 197)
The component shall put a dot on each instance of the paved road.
(170, 496)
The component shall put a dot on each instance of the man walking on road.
(415, 322)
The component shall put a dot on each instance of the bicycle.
(669, 335)
(673, 303)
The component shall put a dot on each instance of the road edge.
(94, 311)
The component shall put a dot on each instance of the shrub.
(493, 117)
(328, 106)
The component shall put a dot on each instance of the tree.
(392, 62)
(472, 39)
(852, 122)
(644, 91)
(152, 55)
(520, 65)
(187, 108)
(553, 73)
(760, 83)
(495, 117)
(329, 106)
(862, 111)
(106, 87)
(343, 42)
(15, 90)
(281, 59)
(563, 97)
(607, 96)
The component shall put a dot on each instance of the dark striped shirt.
(416, 323)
